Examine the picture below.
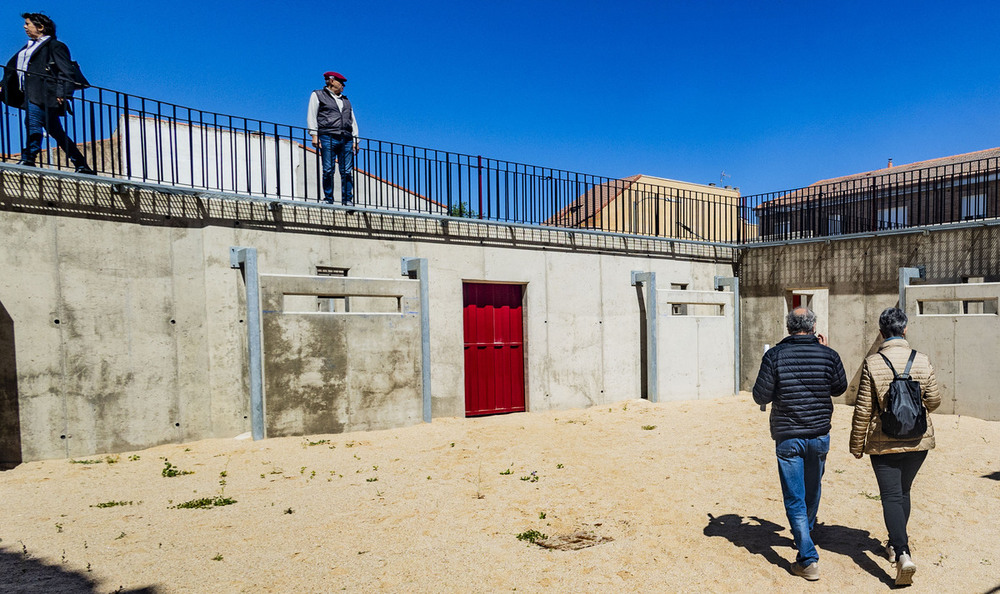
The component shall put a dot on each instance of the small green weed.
(648, 427)
(112, 504)
(531, 536)
(560, 466)
(316, 443)
(133, 458)
(217, 557)
(58, 527)
(372, 479)
(169, 470)
(506, 472)
(531, 478)
(870, 496)
(85, 461)
(541, 515)
(206, 503)
(289, 511)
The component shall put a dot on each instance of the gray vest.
(329, 118)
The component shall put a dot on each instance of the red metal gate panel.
(494, 349)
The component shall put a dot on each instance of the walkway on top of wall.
(58, 193)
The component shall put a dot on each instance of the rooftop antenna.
(723, 176)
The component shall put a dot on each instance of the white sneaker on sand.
(890, 553)
(905, 568)
(810, 572)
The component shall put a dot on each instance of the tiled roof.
(897, 174)
(939, 162)
(585, 208)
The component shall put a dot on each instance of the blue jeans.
(341, 149)
(800, 466)
(39, 120)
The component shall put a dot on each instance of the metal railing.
(136, 138)
(903, 197)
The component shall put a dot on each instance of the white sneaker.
(810, 572)
(890, 553)
(905, 568)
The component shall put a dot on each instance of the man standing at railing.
(38, 79)
(334, 131)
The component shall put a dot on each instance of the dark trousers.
(895, 474)
(340, 149)
(38, 120)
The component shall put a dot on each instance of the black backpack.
(904, 416)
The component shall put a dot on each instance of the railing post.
(648, 282)
(479, 167)
(246, 260)
(417, 268)
(734, 282)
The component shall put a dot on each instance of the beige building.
(647, 205)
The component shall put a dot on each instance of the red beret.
(335, 75)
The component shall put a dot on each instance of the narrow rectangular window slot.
(957, 307)
(338, 304)
(707, 310)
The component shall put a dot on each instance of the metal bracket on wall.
(648, 282)
(905, 275)
(417, 268)
(246, 260)
(734, 282)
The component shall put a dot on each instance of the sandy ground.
(687, 491)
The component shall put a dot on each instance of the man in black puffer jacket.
(798, 377)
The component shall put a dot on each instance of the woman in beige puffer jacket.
(894, 460)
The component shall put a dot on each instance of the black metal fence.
(135, 138)
(952, 190)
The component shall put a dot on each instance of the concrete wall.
(129, 325)
(337, 371)
(855, 279)
(958, 327)
(695, 354)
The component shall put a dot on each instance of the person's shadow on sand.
(760, 537)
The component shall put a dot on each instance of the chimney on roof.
(890, 163)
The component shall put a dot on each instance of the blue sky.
(777, 94)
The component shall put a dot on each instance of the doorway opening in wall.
(817, 299)
(799, 300)
(494, 348)
(10, 418)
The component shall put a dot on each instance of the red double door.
(494, 349)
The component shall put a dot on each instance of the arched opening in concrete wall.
(10, 419)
